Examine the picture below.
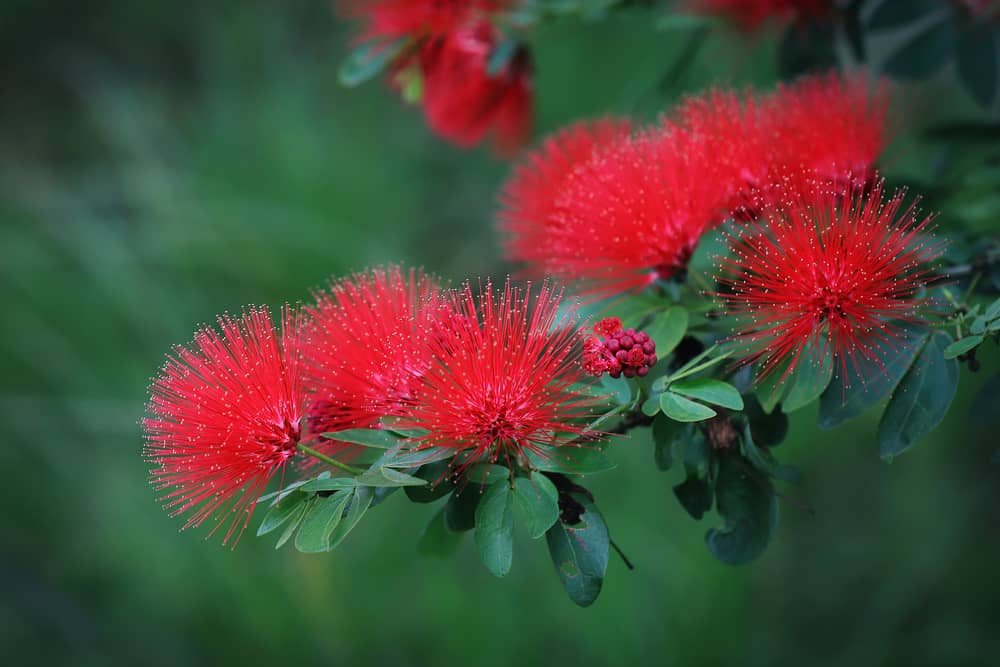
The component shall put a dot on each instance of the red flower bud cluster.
(621, 352)
(618, 208)
(449, 63)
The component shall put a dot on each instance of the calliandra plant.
(728, 264)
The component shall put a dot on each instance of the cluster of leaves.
(316, 515)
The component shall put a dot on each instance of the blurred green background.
(163, 162)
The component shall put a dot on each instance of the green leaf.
(695, 492)
(436, 539)
(695, 496)
(769, 430)
(280, 513)
(761, 459)
(295, 521)
(314, 534)
(750, 510)
(419, 457)
(682, 409)
(366, 437)
(460, 510)
(709, 390)
(361, 500)
(569, 459)
(651, 406)
(538, 499)
(580, 552)
(666, 434)
(487, 473)
(668, 329)
(978, 325)
(439, 483)
(771, 388)
(285, 492)
(620, 389)
(926, 48)
(385, 476)
(962, 346)
(494, 531)
(992, 310)
(808, 382)
(850, 396)
(329, 484)
(367, 61)
(978, 66)
(921, 399)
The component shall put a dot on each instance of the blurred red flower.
(831, 126)
(529, 197)
(506, 380)
(463, 101)
(827, 271)
(628, 214)
(225, 415)
(415, 18)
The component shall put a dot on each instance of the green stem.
(351, 470)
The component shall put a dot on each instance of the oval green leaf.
(494, 531)
(683, 409)
(921, 400)
(580, 552)
(711, 391)
(750, 510)
(538, 499)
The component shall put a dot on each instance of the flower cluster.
(621, 352)
(455, 61)
(619, 208)
(493, 375)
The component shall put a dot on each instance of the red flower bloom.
(625, 351)
(831, 126)
(367, 349)
(529, 197)
(396, 18)
(827, 271)
(733, 132)
(631, 213)
(502, 385)
(463, 102)
(224, 416)
(749, 14)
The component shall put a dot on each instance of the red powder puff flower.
(224, 416)
(529, 197)
(827, 271)
(633, 212)
(623, 352)
(504, 383)
(749, 14)
(367, 349)
(398, 18)
(831, 126)
(733, 131)
(463, 101)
